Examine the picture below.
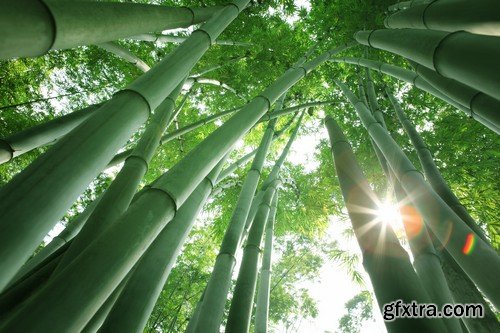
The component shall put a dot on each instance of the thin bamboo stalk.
(33, 27)
(382, 253)
(121, 52)
(481, 263)
(462, 56)
(431, 171)
(180, 39)
(43, 134)
(262, 302)
(478, 17)
(44, 190)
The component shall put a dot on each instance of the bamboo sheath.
(451, 231)
(478, 17)
(462, 56)
(33, 27)
(94, 275)
(382, 253)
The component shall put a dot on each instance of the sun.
(388, 213)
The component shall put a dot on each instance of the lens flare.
(470, 241)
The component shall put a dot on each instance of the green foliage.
(359, 310)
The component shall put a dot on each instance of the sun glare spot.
(388, 213)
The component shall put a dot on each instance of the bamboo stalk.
(452, 232)
(462, 56)
(33, 27)
(121, 52)
(382, 253)
(44, 190)
(478, 17)
(180, 39)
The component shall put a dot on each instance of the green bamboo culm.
(382, 253)
(462, 56)
(43, 134)
(478, 17)
(123, 53)
(241, 305)
(418, 81)
(33, 27)
(431, 171)
(96, 140)
(120, 157)
(135, 303)
(451, 231)
(262, 301)
(117, 198)
(478, 102)
(180, 39)
(426, 260)
(126, 240)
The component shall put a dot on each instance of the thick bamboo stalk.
(133, 307)
(382, 253)
(462, 56)
(180, 39)
(121, 52)
(481, 263)
(426, 261)
(241, 305)
(431, 171)
(45, 189)
(262, 302)
(117, 198)
(110, 257)
(57, 242)
(43, 134)
(478, 17)
(415, 79)
(478, 102)
(33, 27)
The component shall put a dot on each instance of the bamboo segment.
(481, 263)
(134, 305)
(382, 253)
(117, 198)
(415, 79)
(125, 54)
(478, 17)
(431, 171)
(33, 27)
(262, 302)
(462, 56)
(42, 134)
(48, 187)
(479, 103)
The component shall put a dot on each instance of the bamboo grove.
(108, 267)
